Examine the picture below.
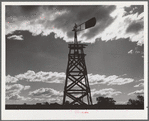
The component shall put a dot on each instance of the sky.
(37, 39)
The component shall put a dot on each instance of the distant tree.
(38, 104)
(139, 101)
(105, 101)
(45, 103)
(67, 103)
(54, 104)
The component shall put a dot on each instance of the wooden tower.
(76, 84)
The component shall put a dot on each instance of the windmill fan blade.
(90, 23)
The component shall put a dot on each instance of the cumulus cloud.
(15, 88)
(108, 92)
(27, 87)
(13, 91)
(139, 85)
(48, 77)
(141, 80)
(121, 81)
(137, 92)
(57, 99)
(10, 79)
(55, 77)
(17, 97)
(15, 37)
(45, 92)
(38, 99)
(109, 80)
(96, 79)
(47, 99)
(112, 21)
(14, 97)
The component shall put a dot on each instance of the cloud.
(10, 79)
(55, 77)
(137, 51)
(133, 9)
(15, 37)
(17, 97)
(139, 85)
(49, 19)
(121, 81)
(13, 91)
(121, 23)
(48, 77)
(38, 99)
(53, 100)
(45, 92)
(141, 80)
(108, 92)
(137, 92)
(134, 27)
(14, 97)
(121, 102)
(27, 87)
(109, 80)
(46, 99)
(112, 21)
(130, 52)
(96, 79)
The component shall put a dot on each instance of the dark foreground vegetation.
(102, 103)
(61, 107)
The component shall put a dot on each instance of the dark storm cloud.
(134, 9)
(81, 14)
(26, 11)
(110, 21)
(134, 27)
(60, 17)
(98, 28)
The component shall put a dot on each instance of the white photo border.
(71, 114)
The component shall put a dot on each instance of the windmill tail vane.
(85, 25)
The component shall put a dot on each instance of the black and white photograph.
(86, 59)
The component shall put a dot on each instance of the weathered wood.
(75, 73)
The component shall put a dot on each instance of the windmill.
(77, 89)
